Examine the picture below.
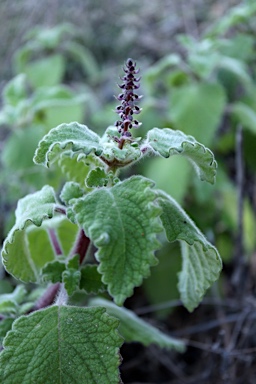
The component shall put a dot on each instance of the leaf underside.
(201, 262)
(167, 142)
(62, 345)
(135, 329)
(73, 137)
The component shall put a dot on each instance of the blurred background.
(60, 61)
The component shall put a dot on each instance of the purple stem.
(81, 246)
(47, 298)
(55, 241)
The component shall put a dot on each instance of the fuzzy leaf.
(71, 191)
(62, 345)
(53, 271)
(97, 178)
(71, 276)
(32, 209)
(75, 137)
(122, 221)
(91, 280)
(135, 329)
(74, 167)
(167, 142)
(9, 301)
(201, 262)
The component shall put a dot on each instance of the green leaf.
(32, 209)
(201, 262)
(62, 345)
(71, 191)
(73, 136)
(197, 109)
(53, 271)
(71, 276)
(167, 142)
(15, 90)
(237, 68)
(46, 71)
(245, 115)
(91, 280)
(73, 167)
(134, 329)
(8, 306)
(97, 178)
(122, 221)
(9, 301)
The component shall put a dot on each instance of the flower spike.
(128, 105)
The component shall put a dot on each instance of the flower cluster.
(128, 100)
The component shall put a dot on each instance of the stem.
(60, 209)
(81, 246)
(47, 298)
(55, 241)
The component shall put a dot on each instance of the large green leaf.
(133, 328)
(201, 262)
(197, 109)
(73, 136)
(167, 142)
(122, 221)
(62, 345)
(32, 209)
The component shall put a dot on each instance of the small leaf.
(53, 271)
(71, 191)
(135, 329)
(15, 90)
(201, 262)
(122, 221)
(9, 301)
(8, 306)
(32, 209)
(62, 345)
(91, 280)
(73, 136)
(71, 280)
(97, 178)
(71, 276)
(167, 142)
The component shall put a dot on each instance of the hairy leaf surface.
(122, 221)
(201, 262)
(62, 345)
(167, 142)
(75, 137)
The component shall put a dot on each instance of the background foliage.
(59, 64)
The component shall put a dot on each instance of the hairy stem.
(81, 246)
(47, 298)
(55, 241)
